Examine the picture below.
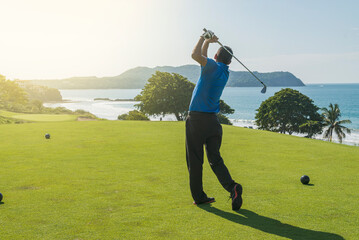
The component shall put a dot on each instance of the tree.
(41, 93)
(223, 119)
(133, 115)
(12, 96)
(331, 120)
(225, 109)
(167, 93)
(289, 111)
(36, 106)
(311, 128)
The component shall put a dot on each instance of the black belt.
(201, 113)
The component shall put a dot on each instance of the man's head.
(223, 56)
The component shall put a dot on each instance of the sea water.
(245, 101)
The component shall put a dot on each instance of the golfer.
(202, 124)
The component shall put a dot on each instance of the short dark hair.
(223, 56)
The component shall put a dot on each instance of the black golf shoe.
(208, 200)
(236, 196)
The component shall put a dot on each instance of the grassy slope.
(39, 117)
(128, 180)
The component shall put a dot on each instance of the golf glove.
(208, 34)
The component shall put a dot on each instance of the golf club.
(264, 86)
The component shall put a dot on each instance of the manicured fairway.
(39, 117)
(128, 180)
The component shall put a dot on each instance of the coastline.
(351, 139)
(245, 101)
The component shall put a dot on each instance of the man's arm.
(199, 53)
(205, 48)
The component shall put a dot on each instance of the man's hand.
(199, 53)
(207, 34)
(213, 39)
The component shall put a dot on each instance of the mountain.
(137, 78)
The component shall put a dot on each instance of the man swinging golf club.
(202, 124)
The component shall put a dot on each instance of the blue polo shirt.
(209, 88)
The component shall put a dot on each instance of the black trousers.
(205, 129)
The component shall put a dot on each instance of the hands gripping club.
(210, 34)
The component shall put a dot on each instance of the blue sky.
(318, 41)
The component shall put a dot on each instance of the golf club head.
(264, 90)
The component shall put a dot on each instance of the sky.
(317, 41)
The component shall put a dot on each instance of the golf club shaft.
(241, 63)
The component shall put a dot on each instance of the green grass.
(7, 113)
(39, 117)
(128, 180)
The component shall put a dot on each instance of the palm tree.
(331, 120)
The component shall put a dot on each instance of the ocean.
(244, 100)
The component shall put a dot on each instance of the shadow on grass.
(270, 225)
(1, 203)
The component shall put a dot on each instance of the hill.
(129, 180)
(137, 78)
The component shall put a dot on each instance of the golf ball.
(305, 179)
(0, 197)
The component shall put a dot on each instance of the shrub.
(133, 115)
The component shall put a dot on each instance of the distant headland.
(137, 77)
